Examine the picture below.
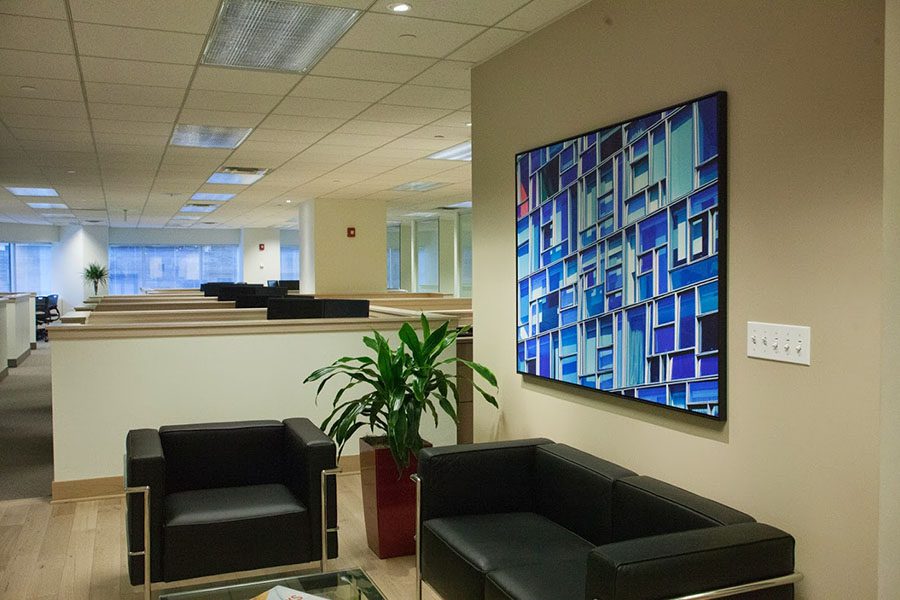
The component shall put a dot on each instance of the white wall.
(148, 236)
(261, 265)
(449, 280)
(801, 448)
(18, 232)
(77, 248)
(103, 388)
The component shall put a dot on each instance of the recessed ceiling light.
(186, 218)
(468, 124)
(287, 201)
(208, 196)
(58, 215)
(207, 136)
(275, 35)
(36, 192)
(419, 186)
(198, 208)
(47, 205)
(459, 152)
(400, 7)
(71, 171)
(237, 175)
(28, 88)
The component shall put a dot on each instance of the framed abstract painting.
(620, 254)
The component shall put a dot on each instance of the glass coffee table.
(340, 585)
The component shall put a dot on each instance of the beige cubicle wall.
(173, 316)
(20, 325)
(108, 379)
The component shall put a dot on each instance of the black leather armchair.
(532, 520)
(228, 497)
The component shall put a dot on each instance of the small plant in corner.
(402, 383)
(97, 275)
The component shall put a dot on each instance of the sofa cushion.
(541, 581)
(457, 552)
(228, 529)
(574, 489)
(644, 506)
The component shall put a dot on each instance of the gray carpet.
(26, 428)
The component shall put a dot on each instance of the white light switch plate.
(784, 343)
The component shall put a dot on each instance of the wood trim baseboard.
(349, 464)
(15, 362)
(83, 489)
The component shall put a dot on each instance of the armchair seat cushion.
(550, 579)
(462, 550)
(229, 529)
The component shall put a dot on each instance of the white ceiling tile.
(406, 35)
(260, 158)
(402, 114)
(116, 93)
(138, 44)
(108, 70)
(447, 73)
(317, 107)
(373, 66)
(230, 101)
(47, 9)
(243, 80)
(334, 88)
(430, 145)
(195, 16)
(127, 112)
(289, 137)
(368, 142)
(41, 35)
(195, 156)
(131, 139)
(300, 123)
(38, 64)
(428, 97)
(479, 13)
(486, 45)
(535, 15)
(47, 89)
(132, 127)
(455, 134)
(460, 118)
(220, 118)
(291, 147)
(55, 108)
(53, 146)
(376, 128)
(46, 122)
(52, 135)
(60, 157)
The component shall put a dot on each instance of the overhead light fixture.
(275, 35)
(47, 206)
(185, 218)
(421, 215)
(459, 152)
(198, 208)
(468, 124)
(400, 7)
(419, 186)
(208, 136)
(208, 196)
(288, 201)
(237, 175)
(58, 215)
(34, 192)
(466, 204)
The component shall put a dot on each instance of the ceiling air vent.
(237, 175)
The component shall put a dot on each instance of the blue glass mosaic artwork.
(618, 258)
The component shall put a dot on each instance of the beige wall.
(261, 265)
(800, 449)
(889, 543)
(339, 263)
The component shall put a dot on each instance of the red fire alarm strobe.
(351, 232)
(262, 247)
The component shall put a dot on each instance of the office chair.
(41, 316)
(53, 308)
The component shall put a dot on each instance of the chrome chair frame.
(725, 592)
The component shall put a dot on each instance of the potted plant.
(96, 274)
(402, 384)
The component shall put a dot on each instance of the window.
(290, 261)
(393, 256)
(427, 262)
(26, 268)
(132, 268)
(465, 254)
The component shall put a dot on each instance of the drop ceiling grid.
(132, 103)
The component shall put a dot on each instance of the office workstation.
(519, 299)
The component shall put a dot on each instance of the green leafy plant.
(96, 274)
(405, 382)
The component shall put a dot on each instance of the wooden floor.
(76, 550)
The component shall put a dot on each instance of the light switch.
(783, 343)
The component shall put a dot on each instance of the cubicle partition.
(19, 327)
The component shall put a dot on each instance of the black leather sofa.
(535, 520)
(228, 497)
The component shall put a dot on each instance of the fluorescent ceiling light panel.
(198, 208)
(275, 35)
(58, 215)
(208, 136)
(466, 204)
(186, 218)
(237, 176)
(459, 152)
(46, 205)
(216, 197)
(35, 192)
(419, 186)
